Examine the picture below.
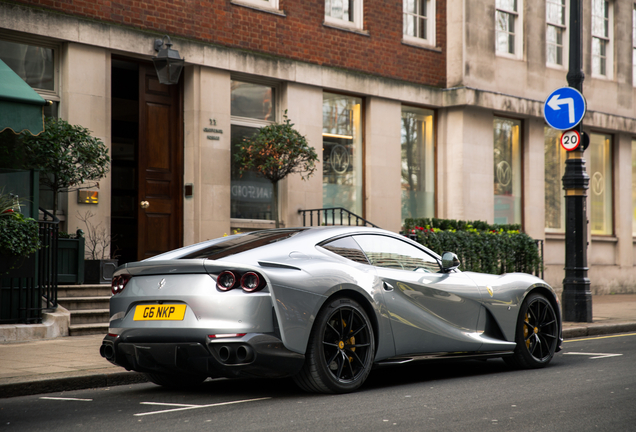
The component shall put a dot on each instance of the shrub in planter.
(491, 249)
(19, 236)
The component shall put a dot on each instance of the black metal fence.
(28, 285)
(333, 216)
(47, 259)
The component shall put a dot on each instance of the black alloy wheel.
(537, 334)
(341, 349)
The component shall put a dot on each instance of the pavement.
(73, 363)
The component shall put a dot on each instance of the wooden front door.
(160, 177)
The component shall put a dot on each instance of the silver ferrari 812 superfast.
(322, 305)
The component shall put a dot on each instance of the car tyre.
(536, 334)
(175, 381)
(340, 351)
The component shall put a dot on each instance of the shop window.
(342, 152)
(555, 156)
(418, 163)
(555, 16)
(509, 27)
(507, 171)
(344, 12)
(419, 21)
(601, 38)
(253, 106)
(601, 195)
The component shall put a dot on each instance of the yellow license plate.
(167, 312)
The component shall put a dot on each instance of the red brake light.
(226, 281)
(250, 282)
(119, 283)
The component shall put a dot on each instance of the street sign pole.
(577, 297)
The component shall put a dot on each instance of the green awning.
(20, 105)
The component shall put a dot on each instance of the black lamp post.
(167, 62)
(577, 297)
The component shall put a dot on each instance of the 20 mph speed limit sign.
(570, 140)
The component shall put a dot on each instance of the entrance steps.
(88, 306)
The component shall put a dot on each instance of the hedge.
(480, 247)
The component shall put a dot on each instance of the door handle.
(144, 204)
(387, 286)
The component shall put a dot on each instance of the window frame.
(517, 33)
(562, 156)
(607, 186)
(429, 149)
(634, 187)
(52, 95)
(255, 123)
(564, 33)
(514, 178)
(431, 24)
(358, 19)
(605, 40)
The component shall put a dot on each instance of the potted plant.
(19, 238)
(99, 262)
(274, 152)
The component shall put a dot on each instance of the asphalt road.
(590, 385)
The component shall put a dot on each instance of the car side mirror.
(449, 262)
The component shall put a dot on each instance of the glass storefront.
(507, 170)
(342, 152)
(418, 163)
(555, 156)
(252, 107)
(601, 195)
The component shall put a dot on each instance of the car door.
(430, 312)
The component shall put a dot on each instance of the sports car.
(323, 305)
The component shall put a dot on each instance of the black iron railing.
(47, 259)
(333, 216)
(28, 285)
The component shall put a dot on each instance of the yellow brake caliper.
(351, 341)
(525, 330)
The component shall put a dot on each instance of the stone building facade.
(416, 109)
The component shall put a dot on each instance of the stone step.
(83, 291)
(90, 316)
(87, 329)
(84, 303)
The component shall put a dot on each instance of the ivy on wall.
(480, 247)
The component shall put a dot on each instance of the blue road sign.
(564, 108)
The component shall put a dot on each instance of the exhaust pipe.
(244, 354)
(107, 351)
(225, 353)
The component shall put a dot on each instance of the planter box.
(99, 271)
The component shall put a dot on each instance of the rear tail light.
(249, 281)
(226, 281)
(119, 283)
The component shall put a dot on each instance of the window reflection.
(251, 194)
(418, 165)
(342, 152)
(601, 184)
(507, 171)
(554, 170)
(34, 64)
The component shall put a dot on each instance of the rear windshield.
(243, 243)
